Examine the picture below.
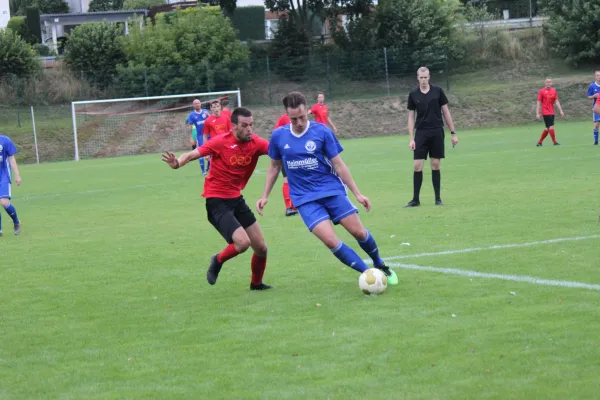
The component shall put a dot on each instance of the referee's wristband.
(452, 132)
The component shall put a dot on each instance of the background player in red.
(546, 99)
(225, 108)
(321, 112)
(234, 157)
(217, 124)
(285, 189)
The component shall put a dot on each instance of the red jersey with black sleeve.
(232, 163)
(547, 96)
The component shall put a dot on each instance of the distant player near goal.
(593, 94)
(234, 157)
(285, 189)
(547, 98)
(196, 121)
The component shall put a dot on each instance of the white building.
(4, 13)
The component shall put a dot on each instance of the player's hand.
(539, 117)
(170, 159)
(364, 201)
(18, 180)
(454, 140)
(260, 205)
(562, 114)
(335, 130)
(396, 105)
(412, 145)
(596, 95)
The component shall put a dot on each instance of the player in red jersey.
(225, 108)
(321, 112)
(234, 157)
(217, 124)
(547, 98)
(285, 189)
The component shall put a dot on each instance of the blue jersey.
(592, 90)
(7, 149)
(306, 160)
(197, 119)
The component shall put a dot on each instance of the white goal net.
(119, 127)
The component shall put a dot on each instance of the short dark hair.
(240, 112)
(294, 100)
(225, 102)
(319, 93)
(215, 102)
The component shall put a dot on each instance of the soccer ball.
(372, 281)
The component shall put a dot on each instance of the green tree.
(95, 49)
(50, 6)
(33, 24)
(573, 29)
(140, 4)
(105, 5)
(16, 56)
(189, 50)
(291, 47)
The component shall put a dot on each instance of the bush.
(43, 51)
(141, 4)
(573, 29)
(95, 49)
(191, 50)
(16, 56)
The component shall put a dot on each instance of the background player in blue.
(196, 121)
(8, 169)
(593, 93)
(310, 154)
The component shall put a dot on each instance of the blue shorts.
(334, 208)
(5, 190)
(596, 117)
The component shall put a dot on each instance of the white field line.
(495, 247)
(513, 278)
(105, 190)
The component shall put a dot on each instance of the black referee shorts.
(429, 142)
(549, 120)
(227, 215)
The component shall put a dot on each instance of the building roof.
(96, 13)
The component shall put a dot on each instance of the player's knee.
(435, 164)
(360, 233)
(418, 166)
(242, 243)
(260, 249)
(4, 201)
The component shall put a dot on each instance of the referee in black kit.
(426, 132)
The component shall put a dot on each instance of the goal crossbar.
(74, 113)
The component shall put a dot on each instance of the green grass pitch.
(104, 295)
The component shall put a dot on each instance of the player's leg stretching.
(201, 159)
(596, 126)
(319, 215)
(285, 190)
(237, 224)
(9, 208)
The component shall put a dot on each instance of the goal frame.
(172, 96)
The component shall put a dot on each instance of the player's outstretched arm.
(344, 173)
(178, 162)
(272, 174)
(15, 169)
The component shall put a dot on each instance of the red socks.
(258, 266)
(286, 196)
(552, 135)
(544, 134)
(227, 253)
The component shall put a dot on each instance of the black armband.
(452, 132)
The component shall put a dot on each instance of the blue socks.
(595, 135)
(349, 257)
(10, 209)
(201, 161)
(370, 247)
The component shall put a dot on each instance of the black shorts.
(227, 215)
(429, 142)
(549, 120)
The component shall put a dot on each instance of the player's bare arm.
(344, 173)
(178, 162)
(411, 130)
(597, 108)
(15, 169)
(560, 110)
(331, 125)
(450, 122)
(272, 174)
(538, 106)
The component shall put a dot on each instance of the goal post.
(138, 125)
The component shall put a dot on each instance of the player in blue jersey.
(593, 93)
(196, 121)
(310, 154)
(8, 169)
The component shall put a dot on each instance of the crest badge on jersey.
(1, 148)
(310, 146)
